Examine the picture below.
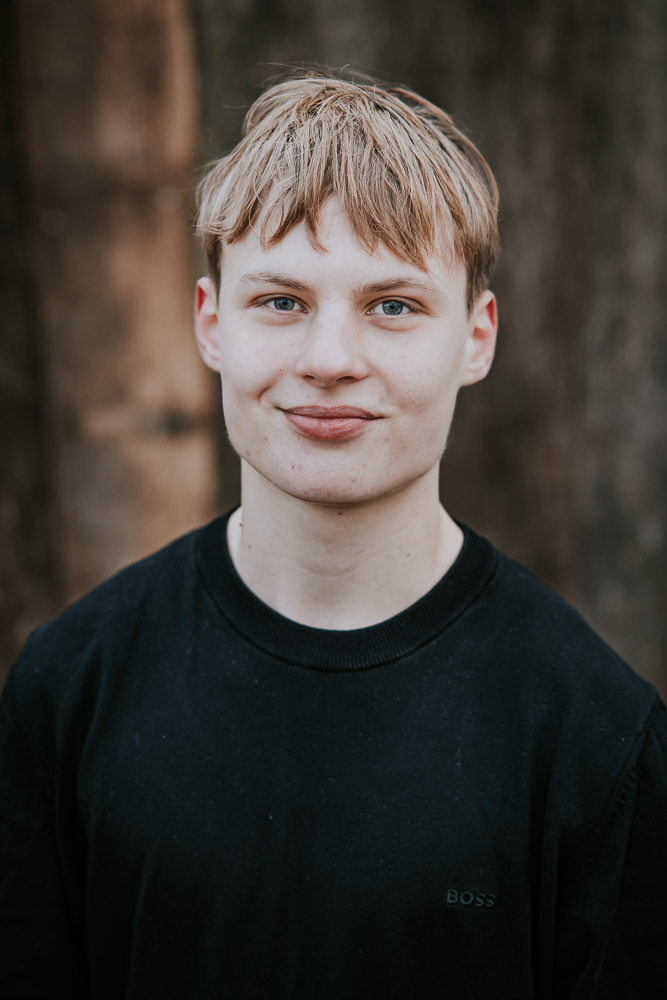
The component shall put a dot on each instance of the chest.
(361, 795)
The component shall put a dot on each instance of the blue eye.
(283, 304)
(393, 308)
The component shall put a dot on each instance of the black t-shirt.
(202, 799)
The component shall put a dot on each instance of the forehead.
(344, 259)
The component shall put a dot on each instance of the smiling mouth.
(329, 423)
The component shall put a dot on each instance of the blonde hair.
(404, 174)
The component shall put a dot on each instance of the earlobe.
(481, 343)
(206, 323)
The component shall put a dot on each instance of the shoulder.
(136, 611)
(546, 668)
(580, 714)
(112, 609)
(541, 634)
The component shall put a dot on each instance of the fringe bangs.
(405, 176)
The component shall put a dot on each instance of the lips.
(329, 423)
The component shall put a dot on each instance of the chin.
(340, 488)
(330, 495)
(336, 477)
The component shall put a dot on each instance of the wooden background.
(110, 437)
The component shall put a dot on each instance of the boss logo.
(477, 899)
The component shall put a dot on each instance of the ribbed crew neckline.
(331, 649)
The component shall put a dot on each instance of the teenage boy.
(334, 746)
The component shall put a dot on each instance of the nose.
(333, 350)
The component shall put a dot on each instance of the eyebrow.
(374, 288)
(377, 287)
(269, 278)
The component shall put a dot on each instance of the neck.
(341, 567)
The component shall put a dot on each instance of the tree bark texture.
(560, 456)
(109, 127)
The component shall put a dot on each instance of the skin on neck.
(342, 567)
(340, 528)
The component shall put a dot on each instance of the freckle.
(408, 555)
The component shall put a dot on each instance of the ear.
(206, 323)
(481, 342)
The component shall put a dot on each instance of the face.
(340, 369)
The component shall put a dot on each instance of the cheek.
(248, 367)
(428, 386)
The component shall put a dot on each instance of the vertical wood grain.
(110, 122)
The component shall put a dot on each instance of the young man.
(334, 746)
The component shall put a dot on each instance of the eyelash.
(288, 298)
(280, 298)
(410, 309)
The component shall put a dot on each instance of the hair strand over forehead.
(406, 177)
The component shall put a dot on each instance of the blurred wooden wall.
(561, 456)
(106, 434)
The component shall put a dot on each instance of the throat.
(342, 568)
